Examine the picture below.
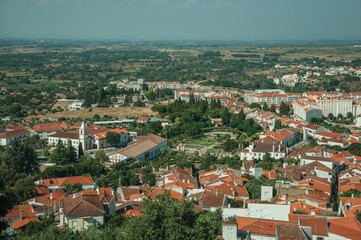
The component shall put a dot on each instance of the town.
(180, 119)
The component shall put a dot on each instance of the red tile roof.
(319, 225)
(83, 205)
(260, 226)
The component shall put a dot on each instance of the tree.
(226, 116)
(96, 117)
(24, 189)
(149, 178)
(349, 115)
(21, 157)
(80, 150)
(355, 148)
(5, 205)
(284, 109)
(242, 116)
(112, 138)
(340, 116)
(330, 116)
(156, 126)
(278, 124)
(100, 156)
(255, 105)
(70, 153)
(230, 145)
(265, 107)
(167, 218)
(59, 155)
(272, 108)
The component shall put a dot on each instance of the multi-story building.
(273, 96)
(334, 105)
(303, 110)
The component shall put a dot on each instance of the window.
(74, 223)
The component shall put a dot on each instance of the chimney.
(21, 214)
(306, 191)
(216, 191)
(262, 140)
(313, 211)
(294, 209)
(273, 148)
(279, 147)
(187, 180)
(98, 190)
(51, 196)
(352, 195)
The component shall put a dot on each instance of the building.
(260, 149)
(11, 135)
(46, 129)
(273, 96)
(143, 148)
(82, 211)
(59, 183)
(304, 111)
(93, 137)
(334, 105)
(76, 138)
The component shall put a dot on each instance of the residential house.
(260, 149)
(11, 135)
(82, 211)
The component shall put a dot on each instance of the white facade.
(335, 106)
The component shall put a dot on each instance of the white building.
(143, 148)
(10, 135)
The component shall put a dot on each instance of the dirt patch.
(120, 113)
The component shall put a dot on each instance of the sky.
(182, 19)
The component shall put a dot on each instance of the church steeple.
(83, 135)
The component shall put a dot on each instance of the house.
(82, 211)
(59, 183)
(310, 129)
(19, 216)
(260, 149)
(11, 135)
(143, 148)
(100, 138)
(143, 119)
(47, 203)
(325, 161)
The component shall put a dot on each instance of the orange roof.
(319, 225)
(258, 226)
(83, 180)
(242, 178)
(173, 194)
(24, 222)
(135, 196)
(133, 213)
(305, 207)
(228, 179)
(346, 227)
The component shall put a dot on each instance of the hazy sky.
(182, 19)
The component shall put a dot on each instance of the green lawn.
(203, 141)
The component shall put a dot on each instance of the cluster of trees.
(267, 162)
(189, 118)
(239, 121)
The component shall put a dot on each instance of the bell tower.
(83, 135)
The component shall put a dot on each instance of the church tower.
(83, 135)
